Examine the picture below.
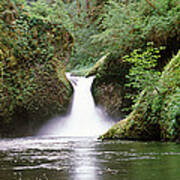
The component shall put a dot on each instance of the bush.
(127, 27)
(32, 55)
(156, 113)
(143, 73)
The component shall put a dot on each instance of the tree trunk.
(88, 8)
(127, 2)
(78, 7)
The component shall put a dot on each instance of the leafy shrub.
(28, 48)
(127, 27)
(143, 73)
(156, 114)
(78, 18)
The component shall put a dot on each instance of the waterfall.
(84, 119)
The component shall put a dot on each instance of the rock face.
(109, 93)
(33, 86)
(108, 87)
(51, 97)
(106, 90)
(157, 114)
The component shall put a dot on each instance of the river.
(58, 158)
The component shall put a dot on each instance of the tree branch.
(153, 6)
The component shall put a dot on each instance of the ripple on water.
(86, 158)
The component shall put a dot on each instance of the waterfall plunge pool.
(84, 118)
(86, 158)
(67, 148)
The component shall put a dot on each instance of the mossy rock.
(33, 86)
(50, 96)
(97, 67)
(155, 119)
(108, 88)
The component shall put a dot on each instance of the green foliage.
(161, 101)
(142, 74)
(170, 90)
(82, 27)
(156, 115)
(79, 21)
(40, 9)
(164, 104)
(127, 27)
(32, 52)
(124, 28)
(116, 27)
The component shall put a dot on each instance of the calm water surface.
(57, 158)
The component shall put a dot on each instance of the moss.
(108, 88)
(33, 85)
(110, 95)
(154, 118)
(98, 65)
(50, 96)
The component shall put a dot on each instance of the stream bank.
(156, 115)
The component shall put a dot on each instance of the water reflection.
(57, 158)
(84, 167)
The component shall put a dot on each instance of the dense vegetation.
(156, 114)
(41, 39)
(32, 82)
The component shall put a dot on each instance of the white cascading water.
(84, 119)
